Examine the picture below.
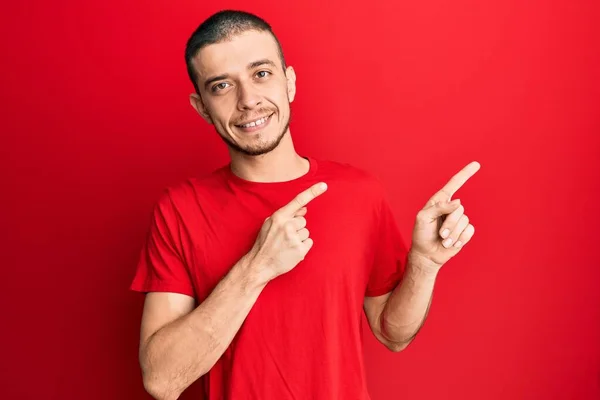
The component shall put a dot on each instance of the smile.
(257, 122)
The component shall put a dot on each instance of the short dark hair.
(220, 27)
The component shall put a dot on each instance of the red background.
(96, 121)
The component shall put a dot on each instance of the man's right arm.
(179, 344)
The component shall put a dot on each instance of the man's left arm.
(396, 317)
(440, 232)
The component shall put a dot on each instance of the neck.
(280, 165)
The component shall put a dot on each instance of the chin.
(263, 148)
(259, 146)
(256, 143)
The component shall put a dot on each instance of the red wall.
(96, 121)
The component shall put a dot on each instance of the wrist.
(255, 271)
(422, 264)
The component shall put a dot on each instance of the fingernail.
(445, 233)
(323, 186)
(447, 242)
(458, 244)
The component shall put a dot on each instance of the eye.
(219, 86)
(263, 74)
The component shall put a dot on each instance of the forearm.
(408, 304)
(184, 350)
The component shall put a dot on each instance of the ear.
(291, 83)
(198, 104)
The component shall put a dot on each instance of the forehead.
(233, 56)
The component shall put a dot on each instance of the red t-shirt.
(302, 338)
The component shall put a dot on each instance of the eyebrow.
(252, 65)
(258, 63)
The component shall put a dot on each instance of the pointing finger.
(458, 180)
(302, 199)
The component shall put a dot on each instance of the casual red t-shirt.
(302, 338)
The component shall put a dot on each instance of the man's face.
(244, 91)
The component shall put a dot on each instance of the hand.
(283, 240)
(442, 228)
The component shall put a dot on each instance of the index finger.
(302, 199)
(458, 180)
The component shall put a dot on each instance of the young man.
(256, 275)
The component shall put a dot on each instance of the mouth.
(255, 124)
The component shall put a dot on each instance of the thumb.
(443, 208)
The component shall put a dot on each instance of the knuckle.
(277, 218)
(300, 200)
(288, 226)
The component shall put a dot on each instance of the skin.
(441, 231)
(240, 80)
(250, 90)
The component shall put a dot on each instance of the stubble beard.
(259, 148)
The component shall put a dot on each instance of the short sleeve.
(390, 255)
(161, 266)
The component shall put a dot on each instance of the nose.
(248, 97)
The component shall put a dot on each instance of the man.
(257, 274)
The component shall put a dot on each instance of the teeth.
(255, 123)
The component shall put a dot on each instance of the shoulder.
(191, 192)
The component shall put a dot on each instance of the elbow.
(158, 388)
(392, 345)
(396, 347)
(161, 386)
(156, 382)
